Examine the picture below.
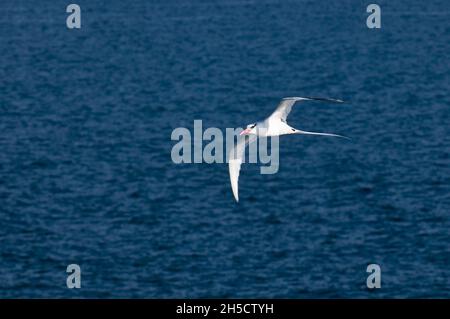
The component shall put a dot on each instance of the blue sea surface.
(86, 175)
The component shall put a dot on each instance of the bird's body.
(275, 125)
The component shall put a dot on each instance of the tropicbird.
(274, 125)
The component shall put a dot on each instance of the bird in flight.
(274, 125)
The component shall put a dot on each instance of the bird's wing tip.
(312, 98)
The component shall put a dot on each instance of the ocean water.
(86, 175)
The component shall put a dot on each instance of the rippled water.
(86, 175)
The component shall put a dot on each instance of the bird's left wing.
(235, 159)
(285, 106)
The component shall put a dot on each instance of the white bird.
(274, 125)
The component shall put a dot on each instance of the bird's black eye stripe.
(253, 125)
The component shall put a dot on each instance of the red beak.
(246, 131)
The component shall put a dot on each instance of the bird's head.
(251, 129)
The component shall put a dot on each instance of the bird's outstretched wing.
(285, 106)
(235, 159)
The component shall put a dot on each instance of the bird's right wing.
(235, 159)
(285, 106)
